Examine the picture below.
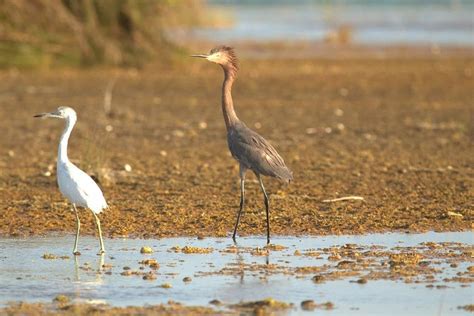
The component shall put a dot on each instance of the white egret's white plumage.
(76, 185)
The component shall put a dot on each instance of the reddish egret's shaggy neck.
(230, 117)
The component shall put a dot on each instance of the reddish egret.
(250, 149)
(76, 185)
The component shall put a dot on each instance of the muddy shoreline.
(396, 131)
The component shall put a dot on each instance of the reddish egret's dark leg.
(242, 198)
(267, 206)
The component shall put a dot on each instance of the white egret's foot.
(101, 252)
(76, 253)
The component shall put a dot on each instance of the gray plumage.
(256, 153)
(252, 151)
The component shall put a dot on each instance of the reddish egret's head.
(222, 55)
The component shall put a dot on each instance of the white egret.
(76, 185)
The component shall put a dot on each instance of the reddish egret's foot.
(76, 253)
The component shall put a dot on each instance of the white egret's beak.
(54, 114)
(200, 56)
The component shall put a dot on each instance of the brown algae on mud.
(49, 256)
(190, 250)
(262, 307)
(310, 305)
(402, 119)
(152, 263)
(170, 308)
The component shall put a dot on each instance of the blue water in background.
(371, 22)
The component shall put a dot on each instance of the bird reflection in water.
(87, 268)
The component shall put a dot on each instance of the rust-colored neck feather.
(230, 117)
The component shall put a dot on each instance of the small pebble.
(61, 299)
(311, 131)
(49, 256)
(308, 305)
(149, 276)
(340, 127)
(362, 281)
(318, 279)
(338, 112)
(146, 249)
(178, 133)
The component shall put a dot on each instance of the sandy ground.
(396, 131)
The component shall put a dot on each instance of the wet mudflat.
(395, 131)
(410, 274)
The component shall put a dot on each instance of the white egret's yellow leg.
(97, 222)
(78, 228)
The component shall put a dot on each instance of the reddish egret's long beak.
(200, 55)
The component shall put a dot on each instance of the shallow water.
(371, 22)
(26, 276)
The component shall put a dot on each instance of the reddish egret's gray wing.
(256, 153)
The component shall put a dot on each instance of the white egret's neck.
(62, 150)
